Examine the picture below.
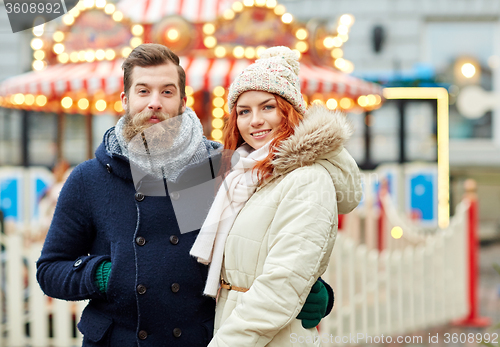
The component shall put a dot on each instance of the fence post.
(473, 319)
(383, 190)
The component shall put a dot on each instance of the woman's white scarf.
(236, 189)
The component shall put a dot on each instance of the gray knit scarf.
(172, 146)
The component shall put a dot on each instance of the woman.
(292, 178)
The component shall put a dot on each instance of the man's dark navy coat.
(154, 295)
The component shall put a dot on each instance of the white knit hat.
(275, 72)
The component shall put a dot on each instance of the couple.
(113, 243)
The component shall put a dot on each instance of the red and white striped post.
(473, 318)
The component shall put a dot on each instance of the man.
(115, 238)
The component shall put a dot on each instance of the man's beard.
(136, 124)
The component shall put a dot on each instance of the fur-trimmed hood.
(320, 138)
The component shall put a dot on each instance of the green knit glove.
(102, 275)
(314, 309)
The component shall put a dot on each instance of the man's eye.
(142, 91)
(168, 92)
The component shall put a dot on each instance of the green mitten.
(102, 275)
(315, 307)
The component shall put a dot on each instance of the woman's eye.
(268, 107)
(242, 112)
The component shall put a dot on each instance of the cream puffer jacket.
(282, 239)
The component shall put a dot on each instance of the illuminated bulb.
(349, 67)
(210, 41)
(39, 55)
(260, 3)
(342, 30)
(68, 19)
(100, 105)
(279, 10)
(75, 12)
(81, 55)
(331, 104)
(19, 99)
(118, 106)
(237, 6)
(287, 18)
(337, 41)
(88, 3)
(137, 30)
(217, 123)
(135, 41)
(218, 112)
(38, 65)
(228, 14)
(208, 29)
(90, 56)
(190, 101)
(363, 101)
(468, 70)
(397, 232)
(83, 104)
(238, 52)
(126, 52)
(189, 90)
(74, 57)
(29, 99)
(249, 53)
(66, 102)
(346, 19)
(317, 102)
(343, 37)
(41, 100)
(173, 35)
(216, 134)
(259, 50)
(271, 3)
(100, 54)
(80, 5)
(63, 58)
(340, 63)
(220, 52)
(117, 16)
(301, 46)
(301, 34)
(58, 48)
(345, 103)
(110, 8)
(337, 53)
(100, 3)
(110, 54)
(58, 36)
(219, 91)
(218, 102)
(248, 3)
(38, 30)
(36, 43)
(371, 99)
(328, 42)
(378, 99)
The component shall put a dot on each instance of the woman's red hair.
(290, 118)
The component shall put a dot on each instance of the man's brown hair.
(151, 54)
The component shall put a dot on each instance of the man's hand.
(314, 309)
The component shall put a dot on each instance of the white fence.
(27, 316)
(416, 282)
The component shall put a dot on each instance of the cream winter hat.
(275, 72)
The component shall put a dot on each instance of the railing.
(27, 316)
(417, 281)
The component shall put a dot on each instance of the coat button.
(175, 287)
(141, 289)
(142, 335)
(174, 239)
(177, 332)
(139, 196)
(78, 262)
(141, 241)
(108, 167)
(175, 195)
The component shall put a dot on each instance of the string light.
(66, 102)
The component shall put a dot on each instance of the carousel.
(77, 63)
